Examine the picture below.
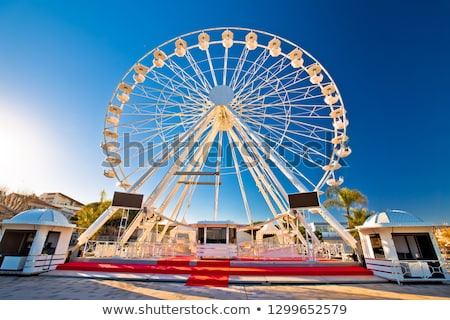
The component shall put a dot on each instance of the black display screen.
(304, 200)
(127, 200)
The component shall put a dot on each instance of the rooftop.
(393, 218)
(40, 217)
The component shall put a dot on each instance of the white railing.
(409, 270)
(425, 269)
(257, 249)
(384, 269)
(43, 262)
(333, 251)
(135, 250)
(217, 251)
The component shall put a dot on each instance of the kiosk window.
(201, 235)
(216, 235)
(232, 236)
(377, 247)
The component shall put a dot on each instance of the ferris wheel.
(232, 110)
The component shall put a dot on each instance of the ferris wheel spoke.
(197, 70)
(171, 86)
(239, 68)
(186, 140)
(256, 175)
(211, 68)
(262, 172)
(300, 111)
(306, 151)
(240, 180)
(141, 130)
(295, 147)
(188, 80)
(283, 165)
(178, 98)
(161, 84)
(299, 94)
(260, 157)
(225, 66)
(278, 80)
(259, 82)
(252, 72)
(310, 135)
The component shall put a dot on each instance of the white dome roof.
(393, 218)
(40, 217)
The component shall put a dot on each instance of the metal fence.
(256, 249)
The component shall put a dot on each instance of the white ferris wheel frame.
(202, 93)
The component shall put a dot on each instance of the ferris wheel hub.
(221, 95)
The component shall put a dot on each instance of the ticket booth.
(216, 240)
(34, 241)
(400, 246)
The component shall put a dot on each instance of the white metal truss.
(220, 102)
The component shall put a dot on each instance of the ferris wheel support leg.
(145, 232)
(93, 228)
(272, 176)
(259, 179)
(185, 139)
(340, 230)
(241, 183)
(308, 228)
(199, 160)
(174, 211)
(344, 234)
(276, 160)
(265, 168)
(164, 181)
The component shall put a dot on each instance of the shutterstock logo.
(129, 153)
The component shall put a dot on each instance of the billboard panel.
(304, 200)
(127, 200)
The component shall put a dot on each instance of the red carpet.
(210, 273)
(207, 280)
(217, 272)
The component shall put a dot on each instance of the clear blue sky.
(61, 60)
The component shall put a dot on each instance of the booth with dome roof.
(34, 241)
(399, 246)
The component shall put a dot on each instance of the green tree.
(317, 233)
(344, 198)
(89, 213)
(357, 218)
(351, 200)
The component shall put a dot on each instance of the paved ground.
(78, 288)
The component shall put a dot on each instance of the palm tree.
(344, 198)
(357, 218)
(89, 213)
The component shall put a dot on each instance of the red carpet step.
(220, 268)
(207, 280)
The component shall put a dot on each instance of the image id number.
(307, 309)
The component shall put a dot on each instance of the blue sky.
(61, 60)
